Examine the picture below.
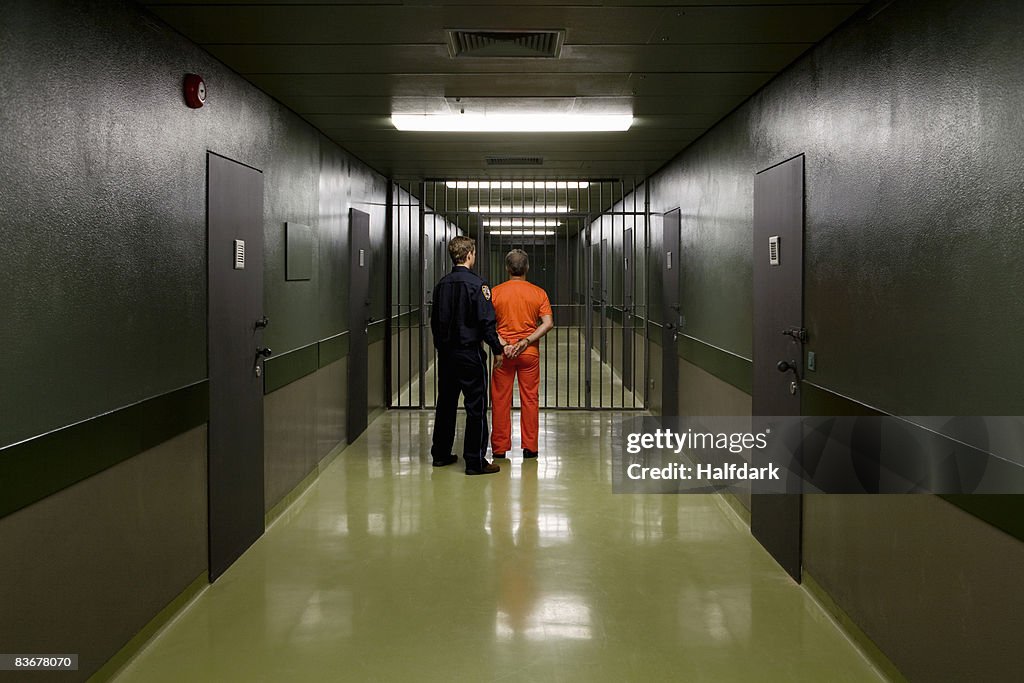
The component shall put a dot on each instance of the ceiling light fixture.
(517, 184)
(513, 123)
(510, 208)
(523, 223)
(524, 233)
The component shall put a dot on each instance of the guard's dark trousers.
(461, 371)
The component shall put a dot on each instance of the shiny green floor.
(563, 374)
(390, 570)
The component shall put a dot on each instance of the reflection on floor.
(390, 570)
(564, 374)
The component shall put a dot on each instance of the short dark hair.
(460, 247)
(517, 262)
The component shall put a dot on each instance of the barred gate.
(587, 243)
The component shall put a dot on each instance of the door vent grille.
(239, 254)
(513, 160)
(773, 250)
(505, 44)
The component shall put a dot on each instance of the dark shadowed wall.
(910, 123)
(103, 270)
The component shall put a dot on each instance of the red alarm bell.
(195, 91)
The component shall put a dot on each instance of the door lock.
(262, 322)
(799, 334)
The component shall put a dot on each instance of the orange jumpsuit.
(519, 306)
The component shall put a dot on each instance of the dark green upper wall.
(291, 194)
(912, 130)
(103, 264)
(712, 185)
(346, 183)
(333, 227)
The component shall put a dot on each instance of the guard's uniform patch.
(486, 291)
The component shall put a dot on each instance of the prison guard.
(461, 317)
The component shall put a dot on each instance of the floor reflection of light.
(376, 523)
(646, 520)
(556, 617)
(722, 616)
(647, 532)
(375, 468)
(405, 518)
(553, 527)
(328, 614)
(548, 468)
(341, 526)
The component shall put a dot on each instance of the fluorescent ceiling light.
(513, 123)
(523, 223)
(511, 208)
(517, 184)
(525, 233)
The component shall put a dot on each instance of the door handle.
(788, 366)
(264, 351)
(261, 323)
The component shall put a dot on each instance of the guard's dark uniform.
(462, 316)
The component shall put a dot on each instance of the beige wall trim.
(882, 664)
(331, 456)
(126, 654)
(289, 498)
(737, 506)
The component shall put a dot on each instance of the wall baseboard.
(289, 498)
(882, 664)
(123, 657)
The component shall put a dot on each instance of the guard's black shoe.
(483, 468)
(528, 454)
(499, 455)
(441, 462)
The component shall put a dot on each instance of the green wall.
(103, 269)
(909, 120)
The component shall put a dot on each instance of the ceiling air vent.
(505, 44)
(511, 160)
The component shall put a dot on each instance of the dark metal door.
(596, 296)
(591, 321)
(235, 328)
(775, 520)
(627, 309)
(671, 314)
(358, 321)
(599, 296)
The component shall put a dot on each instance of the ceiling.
(347, 66)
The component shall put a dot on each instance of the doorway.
(235, 355)
(671, 314)
(358, 322)
(776, 520)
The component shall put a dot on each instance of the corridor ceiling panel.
(347, 66)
